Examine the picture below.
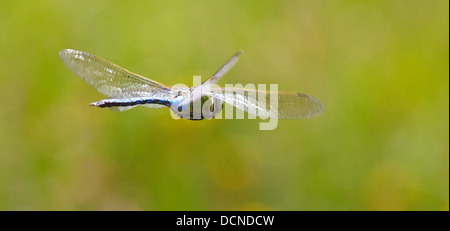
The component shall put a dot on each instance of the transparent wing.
(224, 69)
(196, 93)
(291, 105)
(110, 79)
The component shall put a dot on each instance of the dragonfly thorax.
(205, 108)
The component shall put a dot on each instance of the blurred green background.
(381, 69)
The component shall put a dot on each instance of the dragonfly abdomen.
(131, 102)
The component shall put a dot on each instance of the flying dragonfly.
(126, 90)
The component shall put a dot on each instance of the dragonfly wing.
(196, 93)
(224, 69)
(294, 105)
(110, 79)
(291, 105)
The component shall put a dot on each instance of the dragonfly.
(127, 90)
